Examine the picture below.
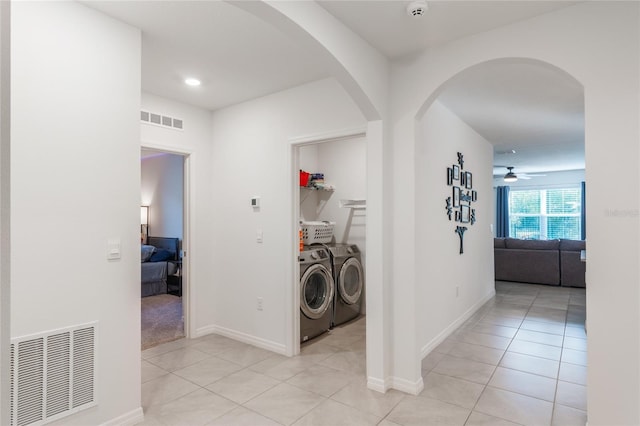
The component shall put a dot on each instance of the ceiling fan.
(512, 177)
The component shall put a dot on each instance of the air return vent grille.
(161, 120)
(52, 374)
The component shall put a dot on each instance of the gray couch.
(551, 262)
(572, 269)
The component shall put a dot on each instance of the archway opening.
(484, 113)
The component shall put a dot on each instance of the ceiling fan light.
(510, 177)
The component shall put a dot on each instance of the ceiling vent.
(417, 9)
(161, 120)
(52, 374)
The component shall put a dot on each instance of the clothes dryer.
(316, 292)
(348, 276)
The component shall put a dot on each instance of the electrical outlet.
(259, 304)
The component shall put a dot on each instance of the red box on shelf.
(304, 178)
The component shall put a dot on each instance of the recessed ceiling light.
(192, 82)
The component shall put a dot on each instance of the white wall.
(344, 165)
(162, 190)
(75, 176)
(598, 44)
(442, 268)
(252, 157)
(230, 165)
(195, 142)
(5, 222)
(364, 73)
(311, 202)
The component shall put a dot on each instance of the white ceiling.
(236, 55)
(239, 57)
(527, 108)
(537, 112)
(386, 25)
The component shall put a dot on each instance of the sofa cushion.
(572, 269)
(498, 243)
(514, 243)
(572, 245)
(527, 266)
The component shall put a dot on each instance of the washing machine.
(348, 277)
(316, 292)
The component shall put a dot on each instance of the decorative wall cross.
(458, 205)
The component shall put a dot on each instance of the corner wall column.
(5, 241)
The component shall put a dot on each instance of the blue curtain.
(583, 214)
(502, 209)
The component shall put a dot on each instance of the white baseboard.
(426, 349)
(203, 331)
(128, 419)
(243, 337)
(403, 385)
(378, 385)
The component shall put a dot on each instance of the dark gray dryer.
(316, 292)
(348, 276)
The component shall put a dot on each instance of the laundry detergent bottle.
(301, 239)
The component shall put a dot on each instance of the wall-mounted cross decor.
(458, 205)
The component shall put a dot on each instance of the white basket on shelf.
(317, 232)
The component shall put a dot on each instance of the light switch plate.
(113, 249)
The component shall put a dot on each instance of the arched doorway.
(459, 284)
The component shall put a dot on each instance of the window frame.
(543, 215)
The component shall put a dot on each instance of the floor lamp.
(144, 223)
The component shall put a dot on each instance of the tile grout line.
(486, 385)
(554, 403)
(555, 394)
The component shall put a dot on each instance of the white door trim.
(292, 316)
(188, 225)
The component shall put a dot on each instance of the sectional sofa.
(551, 262)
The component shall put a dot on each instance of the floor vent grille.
(161, 120)
(52, 374)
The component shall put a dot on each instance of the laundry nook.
(332, 235)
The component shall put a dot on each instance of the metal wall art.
(463, 195)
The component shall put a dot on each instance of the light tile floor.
(521, 359)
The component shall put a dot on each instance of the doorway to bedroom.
(162, 228)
